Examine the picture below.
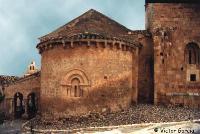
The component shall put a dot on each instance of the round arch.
(191, 53)
(187, 41)
(18, 105)
(75, 74)
(31, 105)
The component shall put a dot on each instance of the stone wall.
(174, 26)
(107, 76)
(25, 86)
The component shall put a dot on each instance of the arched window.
(75, 83)
(192, 53)
(75, 88)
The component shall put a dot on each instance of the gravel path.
(158, 128)
(11, 127)
(136, 114)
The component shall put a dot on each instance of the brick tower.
(175, 28)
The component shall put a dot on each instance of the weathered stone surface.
(174, 27)
(25, 86)
(109, 80)
(94, 64)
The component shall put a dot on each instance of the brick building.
(94, 64)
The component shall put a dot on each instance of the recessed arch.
(79, 74)
(75, 83)
(31, 105)
(192, 53)
(18, 105)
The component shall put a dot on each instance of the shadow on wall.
(110, 97)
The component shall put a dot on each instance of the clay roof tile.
(90, 22)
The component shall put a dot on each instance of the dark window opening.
(75, 94)
(193, 77)
(190, 57)
(76, 90)
(192, 53)
(163, 61)
(181, 68)
(165, 34)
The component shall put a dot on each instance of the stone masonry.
(95, 64)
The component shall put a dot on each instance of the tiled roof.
(7, 79)
(90, 22)
(13, 79)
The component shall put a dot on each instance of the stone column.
(25, 108)
(136, 72)
(135, 76)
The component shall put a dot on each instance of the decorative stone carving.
(84, 81)
(75, 83)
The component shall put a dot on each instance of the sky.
(22, 22)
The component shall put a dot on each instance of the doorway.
(31, 105)
(18, 105)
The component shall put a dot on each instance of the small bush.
(2, 117)
(1, 97)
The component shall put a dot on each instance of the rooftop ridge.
(70, 23)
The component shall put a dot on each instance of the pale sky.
(22, 22)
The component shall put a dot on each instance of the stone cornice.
(88, 38)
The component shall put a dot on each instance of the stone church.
(95, 64)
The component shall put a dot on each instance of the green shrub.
(2, 117)
(1, 97)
